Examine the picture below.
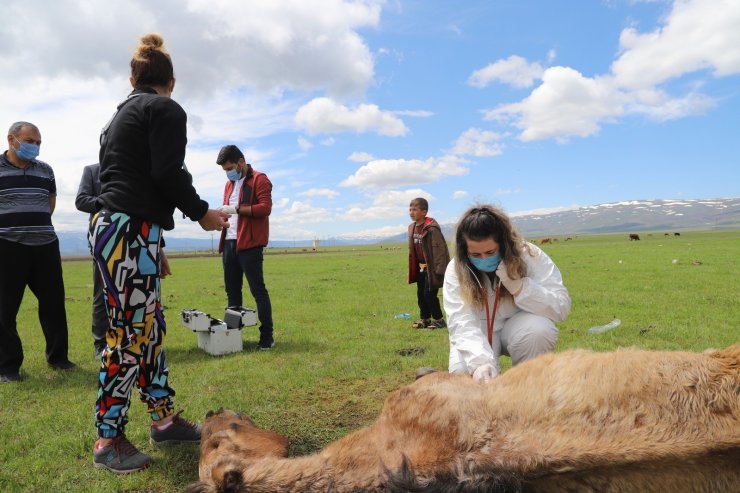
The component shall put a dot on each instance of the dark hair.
(421, 203)
(481, 223)
(229, 154)
(151, 65)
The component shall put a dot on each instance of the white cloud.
(360, 157)
(286, 232)
(320, 192)
(505, 191)
(328, 142)
(280, 203)
(389, 173)
(304, 143)
(697, 37)
(263, 45)
(385, 204)
(566, 104)
(416, 113)
(514, 71)
(323, 115)
(378, 232)
(300, 213)
(459, 194)
(477, 142)
(234, 64)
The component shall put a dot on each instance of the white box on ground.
(221, 340)
(196, 320)
(218, 337)
(237, 317)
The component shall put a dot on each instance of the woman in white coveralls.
(501, 295)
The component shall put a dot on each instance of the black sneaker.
(62, 365)
(437, 324)
(266, 345)
(180, 431)
(10, 377)
(120, 457)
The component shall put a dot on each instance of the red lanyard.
(490, 318)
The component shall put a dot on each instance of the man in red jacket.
(248, 198)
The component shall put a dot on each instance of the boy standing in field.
(428, 259)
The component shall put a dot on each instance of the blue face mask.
(233, 174)
(27, 151)
(488, 264)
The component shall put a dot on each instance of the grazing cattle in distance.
(546, 240)
(666, 234)
(569, 238)
(621, 421)
(676, 234)
(634, 236)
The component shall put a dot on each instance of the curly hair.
(483, 222)
(151, 65)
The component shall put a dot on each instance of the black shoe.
(266, 345)
(10, 377)
(62, 365)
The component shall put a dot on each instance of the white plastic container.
(603, 328)
(220, 340)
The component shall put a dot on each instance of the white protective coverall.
(523, 326)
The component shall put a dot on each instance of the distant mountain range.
(615, 217)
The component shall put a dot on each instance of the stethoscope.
(490, 316)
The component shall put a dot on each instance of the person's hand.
(511, 285)
(485, 373)
(214, 220)
(228, 209)
(164, 265)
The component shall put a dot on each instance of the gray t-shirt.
(25, 215)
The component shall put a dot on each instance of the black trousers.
(427, 298)
(39, 268)
(100, 322)
(248, 263)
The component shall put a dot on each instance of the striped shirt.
(25, 215)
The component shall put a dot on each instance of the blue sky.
(355, 108)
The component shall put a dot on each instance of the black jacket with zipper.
(142, 155)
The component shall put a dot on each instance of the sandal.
(421, 324)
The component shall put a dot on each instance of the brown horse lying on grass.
(627, 420)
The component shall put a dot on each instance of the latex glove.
(485, 373)
(511, 285)
(228, 209)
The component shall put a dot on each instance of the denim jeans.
(249, 263)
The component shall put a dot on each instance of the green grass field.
(337, 346)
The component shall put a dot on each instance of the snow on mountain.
(614, 217)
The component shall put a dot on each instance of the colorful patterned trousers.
(126, 250)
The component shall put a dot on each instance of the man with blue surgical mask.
(248, 200)
(502, 296)
(29, 251)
